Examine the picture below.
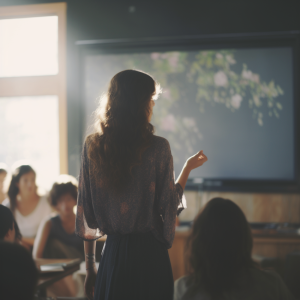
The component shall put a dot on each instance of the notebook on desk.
(58, 266)
(51, 268)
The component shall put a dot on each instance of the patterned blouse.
(150, 202)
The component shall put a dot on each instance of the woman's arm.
(91, 271)
(41, 239)
(193, 162)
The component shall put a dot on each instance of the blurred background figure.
(219, 259)
(3, 174)
(18, 273)
(28, 207)
(9, 229)
(56, 235)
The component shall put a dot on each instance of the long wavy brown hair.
(123, 131)
(218, 249)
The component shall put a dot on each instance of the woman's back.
(127, 191)
(264, 285)
(148, 203)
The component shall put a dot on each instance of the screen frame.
(202, 42)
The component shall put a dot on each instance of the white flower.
(230, 59)
(220, 79)
(247, 74)
(236, 101)
(168, 123)
(219, 56)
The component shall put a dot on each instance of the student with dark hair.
(18, 273)
(3, 174)
(9, 230)
(27, 206)
(219, 259)
(128, 192)
(56, 235)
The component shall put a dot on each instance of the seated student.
(18, 273)
(9, 230)
(3, 174)
(56, 236)
(219, 259)
(27, 206)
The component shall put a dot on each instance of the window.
(31, 133)
(32, 89)
(29, 46)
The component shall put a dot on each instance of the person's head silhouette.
(18, 273)
(9, 229)
(219, 247)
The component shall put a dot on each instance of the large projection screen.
(235, 104)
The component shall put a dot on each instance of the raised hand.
(196, 160)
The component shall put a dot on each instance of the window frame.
(48, 84)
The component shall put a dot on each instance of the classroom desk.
(46, 279)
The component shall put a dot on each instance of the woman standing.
(27, 206)
(127, 191)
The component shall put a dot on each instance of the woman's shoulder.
(265, 275)
(268, 280)
(161, 143)
(91, 139)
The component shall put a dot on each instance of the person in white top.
(27, 206)
(219, 260)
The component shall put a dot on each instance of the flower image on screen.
(235, 104)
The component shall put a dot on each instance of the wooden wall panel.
(256, 207)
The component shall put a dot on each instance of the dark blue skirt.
(134, 267)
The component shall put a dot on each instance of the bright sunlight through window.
(31, 133)
(29, 46)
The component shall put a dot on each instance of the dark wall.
(98, 19)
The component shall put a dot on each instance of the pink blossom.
(236, 101)
(168, 123)
(173, 59)
(155, 55)
(255, 78)
(167, 93)
(247, 74)
(220, 79)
